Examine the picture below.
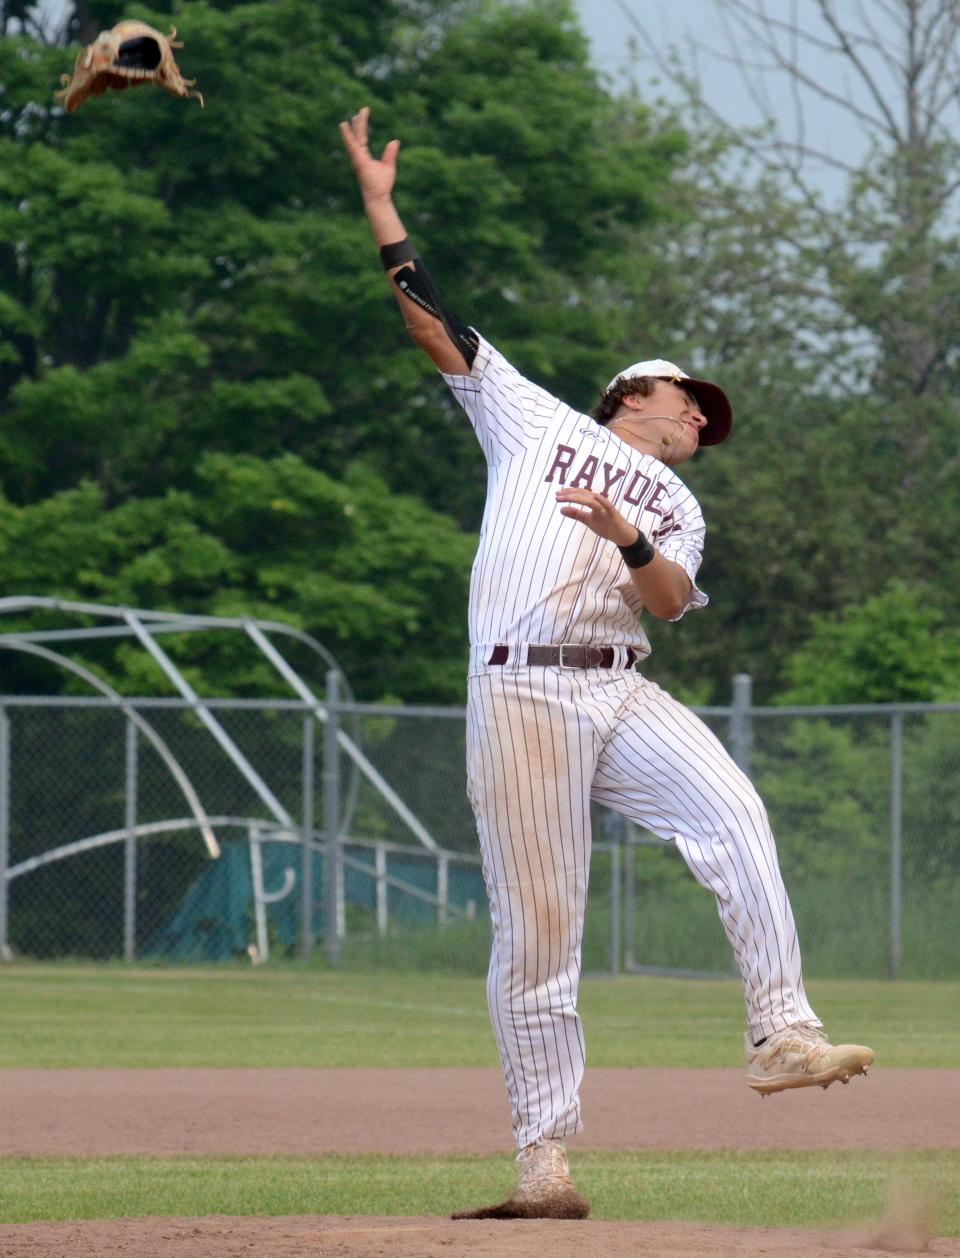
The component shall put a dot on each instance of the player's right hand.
(598, 513)
(375, 176)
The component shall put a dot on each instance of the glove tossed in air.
(128, 55)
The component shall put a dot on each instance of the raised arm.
(449, 342)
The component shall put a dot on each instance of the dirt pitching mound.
(312, 1112)
(310, 1236)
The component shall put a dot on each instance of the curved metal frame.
(166, 755)
(143, 624)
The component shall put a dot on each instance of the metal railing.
(97, 858)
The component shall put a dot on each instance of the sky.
(693, 26)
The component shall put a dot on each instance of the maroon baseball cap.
(713, 401)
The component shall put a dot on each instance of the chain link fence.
(350, 838)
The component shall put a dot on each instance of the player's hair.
(610, 401)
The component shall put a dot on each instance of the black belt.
(568, 656)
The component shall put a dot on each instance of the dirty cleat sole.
(545, 1190)
(857, 1060)
(562, 1205)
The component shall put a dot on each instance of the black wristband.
(398, 253)
(639, 553)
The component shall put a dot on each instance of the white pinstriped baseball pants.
(543, 742)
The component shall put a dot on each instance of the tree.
(242, 223)
(891, 256)
(181, 286)
(378, 577)
(893, 648)
(901, 59)
(832, 323)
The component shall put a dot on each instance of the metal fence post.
(443, 889)
(5, 953)
(130, 848)
(896, 838)
(332, 879)
(629, 901)
(260, 951)
(615, 894)
(741, 732)
(306, 855)
(383, 904)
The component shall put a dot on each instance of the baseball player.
(586, 527)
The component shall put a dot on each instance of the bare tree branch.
(749, 16)
(826, 221)
(945, 51)
(899, 51)
(878, 43)
(635, 22)
(892, 8)
(855, 59)
(883, 275)
(798, 111)
(815, 154)
(791, 28)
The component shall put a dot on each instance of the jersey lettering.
(667, 526)
(638, 489)
(586, 474)
(561, 463)
(534, 446)
(611, 475)
(654, 499)
(641, 492)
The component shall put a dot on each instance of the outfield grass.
(753, 1190)
(285, 1015)
(60, 1016)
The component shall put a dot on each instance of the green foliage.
(825, 784)
(892, 648)
(247, 541)
(931, 805)
(207, 399)
(178, 283)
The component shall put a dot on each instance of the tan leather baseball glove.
(129, 54)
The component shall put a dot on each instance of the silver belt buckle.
(564, 646)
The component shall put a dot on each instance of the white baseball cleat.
(545, 1190)
(803, 1057)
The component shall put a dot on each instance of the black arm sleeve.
(415, 282)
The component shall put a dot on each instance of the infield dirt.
(299, 1111)
(330, 1237)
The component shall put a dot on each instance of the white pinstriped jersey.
(544, 743)
(539, 576)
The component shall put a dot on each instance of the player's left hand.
(376, 176)
(599, 514)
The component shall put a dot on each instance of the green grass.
(74, 1015)
(758, 1190)
(60, 1016)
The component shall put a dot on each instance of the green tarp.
(215, 919)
